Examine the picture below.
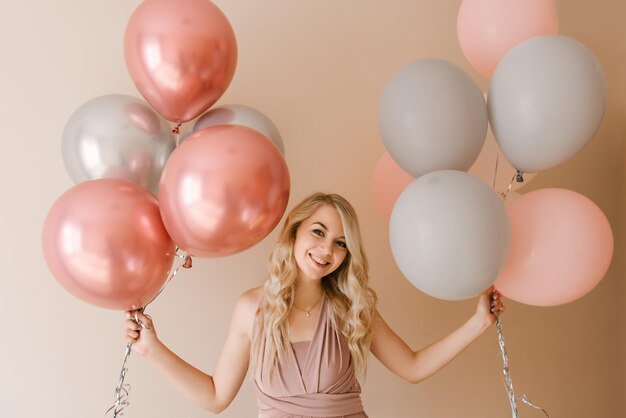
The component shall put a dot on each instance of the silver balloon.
(449, 234)
(117, 136)
(239, 115)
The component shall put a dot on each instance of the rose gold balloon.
(223, 190)
(105, 243)
(181, 54)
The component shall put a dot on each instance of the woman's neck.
(308, 293)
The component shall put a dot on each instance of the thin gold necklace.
(308, 313)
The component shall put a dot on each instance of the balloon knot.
(187, 264)
(519, 176)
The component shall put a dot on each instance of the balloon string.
(507, 375)
(505, 193)
(505, 368)
(122, 390)
(529, 403)
(495, 172)
(185, 264)
(517, 177)
(176, 132)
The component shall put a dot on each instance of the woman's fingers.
(139, 332)
(138, 317)
(132, 334)
(143, 320)
(133, 326)
(497, 306)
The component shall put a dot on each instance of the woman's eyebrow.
(321, 224)
(325, 228)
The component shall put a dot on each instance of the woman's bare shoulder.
(245, 309)
(251, 298)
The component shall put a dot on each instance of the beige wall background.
(317, 69)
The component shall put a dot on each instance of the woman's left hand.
(489, 305)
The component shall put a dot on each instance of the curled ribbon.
(517, 177)
(122, 390)
(507, 376)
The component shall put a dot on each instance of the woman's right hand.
(140, 332)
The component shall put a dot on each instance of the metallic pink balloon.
(105, 243)
(223, 190)
(181, 54)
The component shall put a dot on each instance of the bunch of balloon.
(182, 56)
(546, 99)
(433, 117)
(140, 195)
(540, 119)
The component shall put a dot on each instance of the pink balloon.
(488, 29)
(105, 243)
(491, 161)
(181, 55)
(223, 190)
(388, 182)
(561, 248)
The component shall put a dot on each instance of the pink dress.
(318, 380)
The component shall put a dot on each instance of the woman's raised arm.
(213, 393)
(415, 366)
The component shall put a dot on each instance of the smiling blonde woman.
(308, 331)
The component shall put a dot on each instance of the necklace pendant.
(308, 313)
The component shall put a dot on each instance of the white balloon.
(449, 234)
(239, 115)
(432, 116)
(546, 100)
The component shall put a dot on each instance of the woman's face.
(320, 245)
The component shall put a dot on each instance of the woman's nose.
(326, 247)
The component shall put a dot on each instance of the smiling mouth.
(318, 260)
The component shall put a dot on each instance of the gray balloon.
(117, 136)
(546, 100)
(432, 116)
(239, 115)
(449, 234)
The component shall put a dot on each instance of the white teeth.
(319, 260)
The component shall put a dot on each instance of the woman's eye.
(342, 244)
(318, 232)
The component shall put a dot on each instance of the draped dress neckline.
(324, 385)
(303, 368)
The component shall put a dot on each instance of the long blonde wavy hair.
(352, 302)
